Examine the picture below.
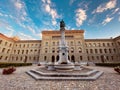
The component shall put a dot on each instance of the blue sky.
(27, 18)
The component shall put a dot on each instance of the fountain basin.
(64, 67)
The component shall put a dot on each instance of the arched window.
(103, 44)
(24, 45)
(45, 58)
(6, 57)
(118, 43)
(105, 50)
(109, 50)
(112, 57)
(8, 51)
(102, 59)
(91, 50)
(45, 50)
(22, 51)
(108, 44)
(20, 45)
(96, 51)
(46, 43)
(53, 43)
(71, 42)
(80, 50)
(16, 58)
(81, 58)
(114, 50)
(21, 58)
(18, 51)
(92, 57)
(97, 57)
(26, 51)
(3, 50)
(53, 50)
(25, 60)
(100, 50)
(72, 50)
(79, 43)
(57, 50)
(86, 50)
(57, 43)
(94, 44)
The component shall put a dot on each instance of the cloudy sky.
(27, 18)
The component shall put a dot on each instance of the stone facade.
(46, 50)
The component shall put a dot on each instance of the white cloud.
(80, 16)
(31, 29)
(18, 5)
(23, 36)
(103, 7)
(47, 8)
(54, 22)
(11, 31)
(22, 18)
(47, 5)
(116, 10)
(1, 14)
(71, 2)
(107, 20)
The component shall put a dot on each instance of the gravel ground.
(19, 80)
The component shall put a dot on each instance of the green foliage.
(108, 64)
(2, 65)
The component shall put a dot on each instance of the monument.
(63, 62)
(64, 69)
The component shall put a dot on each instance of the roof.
(5, 37)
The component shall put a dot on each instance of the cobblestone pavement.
(19, 80)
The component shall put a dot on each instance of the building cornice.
(5, 37)
(98, 40)
(30, 41)
(66, 32)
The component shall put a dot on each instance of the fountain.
(64, 69)
(63, 63)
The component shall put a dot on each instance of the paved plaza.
(19, 80)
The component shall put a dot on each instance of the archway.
(72, 58)
(57, 58)
(53, 58)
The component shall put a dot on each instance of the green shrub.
(108, 64)
(2, 65)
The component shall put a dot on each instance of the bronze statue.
(62, 24)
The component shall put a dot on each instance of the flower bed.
(117, 69)
(9, 70)
(39, 64)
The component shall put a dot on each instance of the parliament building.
(14, 50)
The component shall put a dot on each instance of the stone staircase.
(39, 75)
